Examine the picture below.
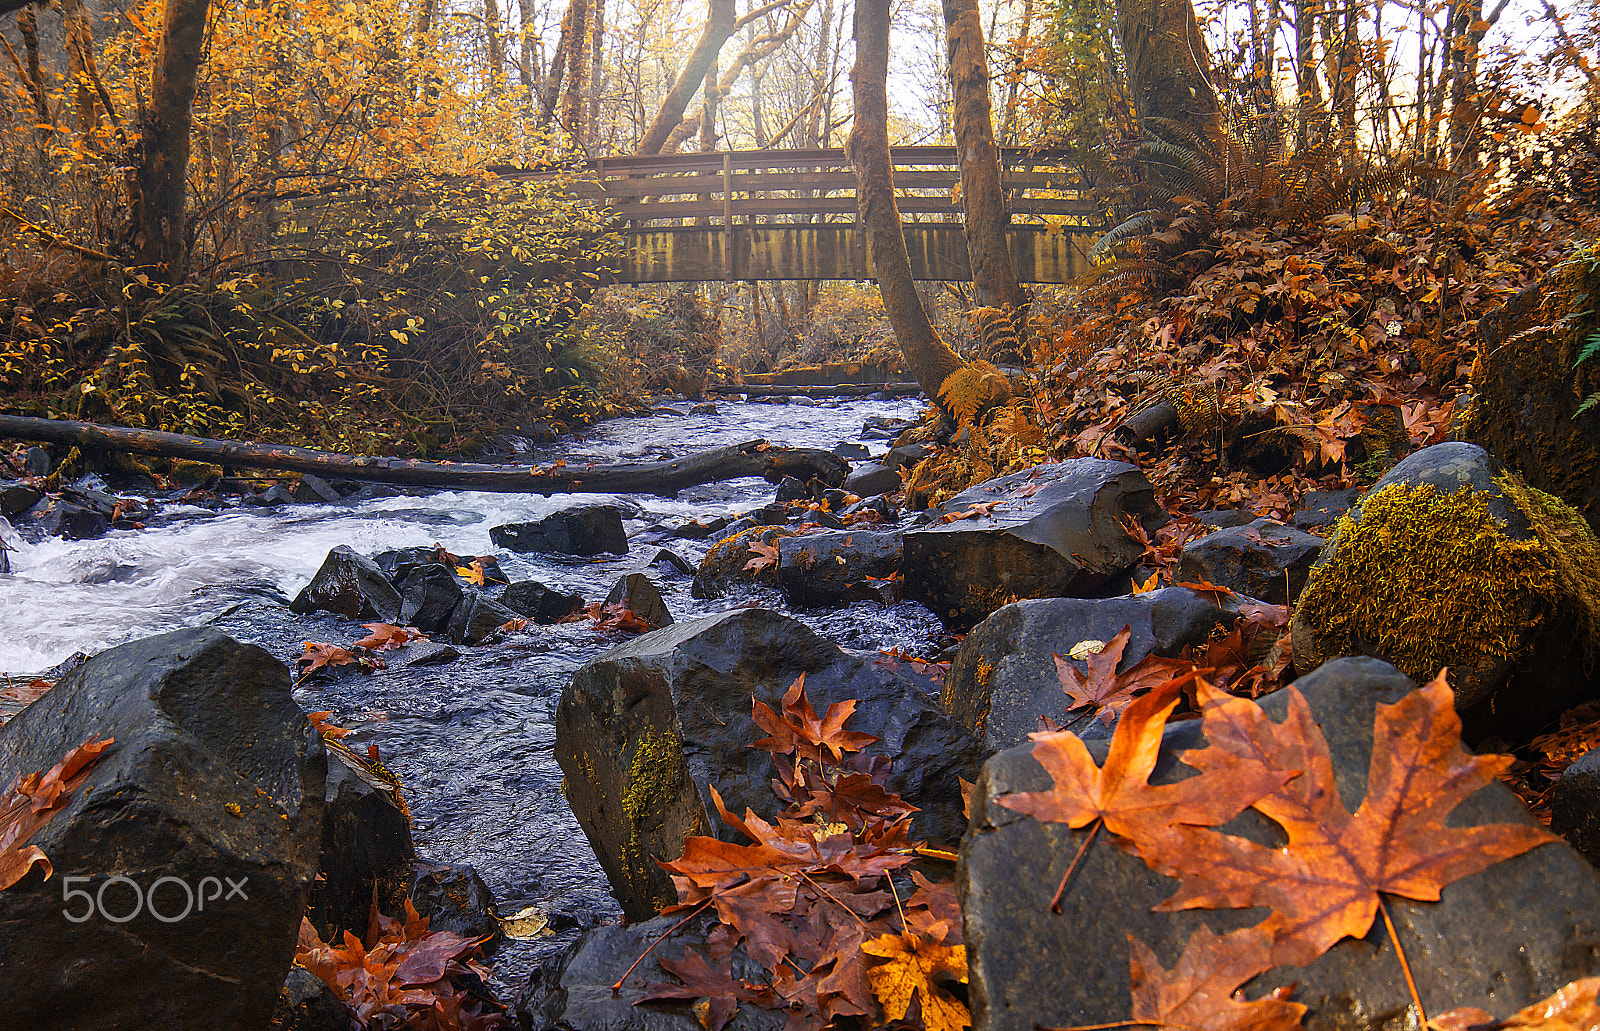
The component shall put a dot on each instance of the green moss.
(655, 769)
(1574, 552)
(1428, 580)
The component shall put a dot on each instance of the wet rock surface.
(215, 773)
(366, 852)
(837, 566)
(1496, 940)
(1263, 559)
(640, 595)
(351, 585)
(581, 530)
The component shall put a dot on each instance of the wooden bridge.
(791, 214)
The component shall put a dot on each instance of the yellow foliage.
(973, 390)
(914, 968)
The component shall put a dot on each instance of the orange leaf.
(915, 967)
(1198, 992)
(1107, 691)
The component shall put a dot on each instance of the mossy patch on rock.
(725, 563)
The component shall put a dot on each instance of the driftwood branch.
(664, 478)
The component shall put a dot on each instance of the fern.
(1591, 347)
(1588, 403)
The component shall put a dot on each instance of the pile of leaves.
(822, 900)
(404, 975)
(366, 653)
(1326, 883)
(32, 800)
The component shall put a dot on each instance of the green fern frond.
(1591, 347)
(1135, 226)
(1588, 403)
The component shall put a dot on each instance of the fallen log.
(1143, 425)
(662, 478)
(815, 390)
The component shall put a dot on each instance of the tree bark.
(162, 163)
(1169, 67)
(982, 201)
(28, 28)
(1309, 120)
(577, 64)
(497, 50)
(719, 26)
(665, 479)
(928, 358)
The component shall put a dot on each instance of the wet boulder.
(727, 564)
(1048, 532)
(454, 897)
(1263, 559)
(791, 489)
(1003, 677)
(398, 563)
(68, 520)
(428, 596)
(308, 1004)
(476, 618)
(212, 793)
(836, 567)
(645, 729)
(539, 603)
(351, 585)
(873, 478)
(1451, 560)
(1575, 805)
(1320, 510)
(640, 595)
(1497, 939)
(314, 489)
(580, 530)
(366, 851)
(17, 498)
(671, 563)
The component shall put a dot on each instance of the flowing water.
(472, 740)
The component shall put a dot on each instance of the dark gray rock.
(1575, 805)
(723, 568)
(1264, 559)
(645, 728)
(1222, 518)
(870, 478)
(884, 427)
(1003, 677)
(398, 564)
(640, 594)
(581, 530)
(314, 489)
(17, 498)
(67, 520)
(669, 561)
(36, 461)
(476, 618)
(1320, 509)
(704, 408)
(1496, 940)
(423, 653)
(852, 451)
(367, 852)
(215, 773)
(832, 568)
(308, 1004)
(350, 585)
(454, 897)
(907, 455)
(574, 992)
(1057, 531)
(539, 603)
(275, 495)
(881, 505)
(791, 489)
(695, 530)
(428, 595)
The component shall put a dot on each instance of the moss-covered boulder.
(1529, 385)
(726, 564)
(1453, 561)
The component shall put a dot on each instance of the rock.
(215, 773)
(640, 594)
(17, 498)
(905, 456)
(1063, 539)
(832, 568)
(543, 605)
(704, 408)
(372, 492)
(882, 505)
(315, 489)
(308, 1004)
(1003, 677)
(36, 461)
(277, 494)
(454, 898)
(694, 530)
(476, 618)
(1450, 560)
(791, 489)
(851, 451)
(873, 478)
(1320, 509)
(350, 585)
(367, 851)
(1222, 518)
(1575, 805)
(1264, 559)
(423, 653)
(581, 530)
(645, 728)
(574, 992)
(724, 564)
(61, 518)
(195, 474)
(884, 427)
(669, 561)
(1496, 940)
(398, 564)
(428, 595)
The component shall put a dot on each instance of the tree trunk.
(982, 200)
(928, 358)
(162, 162)
(577, 61)
(1465, 111)
(525, 71)
(79, 38)
(1308, 124)
(666, 479)
(1169, 67)
(719, 26)
(497, 50)
(597, 75)
(28, 28)
(1014, 62)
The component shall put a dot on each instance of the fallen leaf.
(322, 655)
(1573, 1008)
(916, 967)
(766, 557)
(1199, 991)
(32, 801)
(472, 573)
(1105, 690)
(386, 636)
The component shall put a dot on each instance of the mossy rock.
(1452, 561)
(1529, 385)
(195, 474)
(724, 564)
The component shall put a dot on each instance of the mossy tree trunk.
(720, 23)
(162, 164)
(928, 358)
(982, 201)
(1169, 67)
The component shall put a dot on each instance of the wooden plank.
(825, 251)
(769, 206)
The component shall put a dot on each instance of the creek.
(472, 741)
